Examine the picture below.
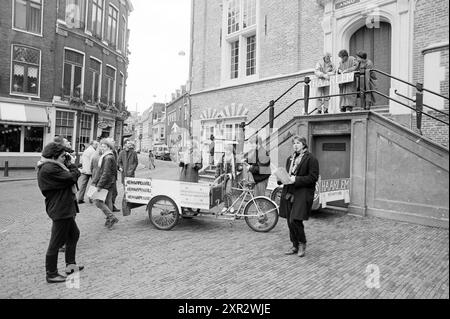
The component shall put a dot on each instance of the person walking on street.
(86, 172)
(297, 197)
(324, 68)
(57, 182)
(104, 179)
(128, 161)
(259, 161)
(114, 189)
(212, 147)
(151, 159)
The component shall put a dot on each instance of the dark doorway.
(333, 154)
(377, 43)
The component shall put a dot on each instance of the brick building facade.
(248, 52)
(63, 67)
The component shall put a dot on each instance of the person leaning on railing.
(365, 64)
(348, 64)
(324, 68)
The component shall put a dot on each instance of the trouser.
(83, 182)
(323, 101)
(113, 194)
(106, 206)
(64, 231)
(296, 228)
(260, 188)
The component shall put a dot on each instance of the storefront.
(23, 133)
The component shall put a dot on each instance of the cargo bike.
(168, 201)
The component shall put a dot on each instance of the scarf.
(49, 160)
(296, 159)
(101, 157)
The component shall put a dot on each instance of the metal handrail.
(442, 96)
(413, 100)
(408, 83)
(409, 107)
(275, 101)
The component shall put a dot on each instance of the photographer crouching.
(57, 179)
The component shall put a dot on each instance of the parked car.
(162, 152)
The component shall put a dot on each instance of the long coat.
(307, 173)
(128, 161)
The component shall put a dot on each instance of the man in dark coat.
(128, 161)
(57, 183)
(298, 196)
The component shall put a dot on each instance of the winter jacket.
(107, 174)
(128, 161)
(57, 186)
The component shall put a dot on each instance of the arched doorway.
(377, 43)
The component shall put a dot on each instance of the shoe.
(81, 201)
(112, 222)
(91, 201)
(70, 269)
(319, 112)
(325, 112)
(55, 278)
(62, 249)
(107, 222)
(115, 209)
(302, 250)
(292, 251)
(224, 210)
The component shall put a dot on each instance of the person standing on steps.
(324, 69)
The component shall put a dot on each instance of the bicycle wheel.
(276, 195)
(163, 212)
(261, 214)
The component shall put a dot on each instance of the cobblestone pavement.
(209, 258)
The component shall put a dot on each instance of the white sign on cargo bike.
(190, 195)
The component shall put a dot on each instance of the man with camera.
(57, 179)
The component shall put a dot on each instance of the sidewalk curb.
(18, 179)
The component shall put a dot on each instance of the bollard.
(6, 173)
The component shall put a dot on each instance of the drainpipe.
(191, 58)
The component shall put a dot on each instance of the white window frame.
(117, 26)
(86, 4)
(122, 46)
(83, 71)
(25, 31)
(91, 32)
(100, 79)
(241, 35)
(115, 82)
(122, 93)
(75, 123)
(91, 135)
(38, 96)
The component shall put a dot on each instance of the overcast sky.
(159, 30)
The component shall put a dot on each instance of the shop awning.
(23, 114)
